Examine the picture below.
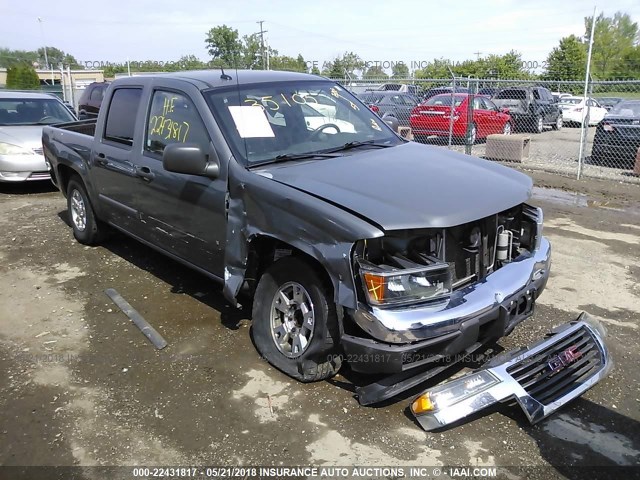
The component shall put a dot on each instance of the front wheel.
(506, 130)
(295, 324)
(87, 229)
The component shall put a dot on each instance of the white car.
(574, 110)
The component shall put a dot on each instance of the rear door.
(183, 214)
(112, 160)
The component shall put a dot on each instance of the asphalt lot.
(79, 384)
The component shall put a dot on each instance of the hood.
(28, 136)
(408, 186)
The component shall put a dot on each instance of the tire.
(537, 126)
(559, 123)
(87, 229)
(306, 354)
(474, 134)
(507, 129)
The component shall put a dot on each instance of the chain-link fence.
(547, 125)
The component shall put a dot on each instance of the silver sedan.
(22, 116)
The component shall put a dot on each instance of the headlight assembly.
(10, 149)
(453, 392)
(395, 287)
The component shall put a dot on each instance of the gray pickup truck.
(353, 244)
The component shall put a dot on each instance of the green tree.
(251, 48)
(375, 72)
(284, 62)
(223, 43)
(630, 64)
(567, 61)
(190, 62)
(22, 77)
(613, 38)
(436, 69)
(315, 70)
(9, 58)
(57, 57)
(399, 70)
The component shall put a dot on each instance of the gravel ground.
(558, 151)
(80, 385)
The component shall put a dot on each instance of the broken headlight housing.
(396, 287)
(453, 392)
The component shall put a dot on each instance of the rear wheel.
(295, 324)
(538, 125)
(87, 229)
(559, 123)
(474, 134)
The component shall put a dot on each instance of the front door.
(183, 214)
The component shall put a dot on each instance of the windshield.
(268, 120)
(627, 109)
(445, 101)
(33, 111)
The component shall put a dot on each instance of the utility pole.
(262, 32)
(477, 54)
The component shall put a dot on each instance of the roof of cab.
(214, 77)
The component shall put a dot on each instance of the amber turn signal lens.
(422, 404)
(375, 286)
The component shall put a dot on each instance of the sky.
(379, 31)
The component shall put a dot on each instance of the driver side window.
(173, 118)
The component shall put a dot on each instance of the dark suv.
(90, 101)
(531, 108)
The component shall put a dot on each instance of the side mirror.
(188, 158)
(504, 110)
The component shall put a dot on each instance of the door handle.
(145, 173)
(102, 159)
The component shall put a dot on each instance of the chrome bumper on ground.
(541, 378)
(404, 325)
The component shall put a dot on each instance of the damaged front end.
(431, 293)
(541, 378)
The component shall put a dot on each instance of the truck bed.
(85, 127)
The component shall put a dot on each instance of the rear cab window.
(121, 116)
(512, 95)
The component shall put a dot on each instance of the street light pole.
(46, 60)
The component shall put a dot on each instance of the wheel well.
(64, 175)
(264, 251)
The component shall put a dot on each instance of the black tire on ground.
(87, 229)
(320, 359)
(558, 124)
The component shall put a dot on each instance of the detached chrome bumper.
(542, 378)
(523, 277)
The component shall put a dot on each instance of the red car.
(432, 117)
